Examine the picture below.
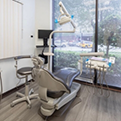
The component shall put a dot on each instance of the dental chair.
(55, 90)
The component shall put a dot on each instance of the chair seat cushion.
(67, 75)
(25, 71)
(53, 94)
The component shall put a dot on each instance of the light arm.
(67, 17)
(92, 54)
(64, 18)
(63, 9)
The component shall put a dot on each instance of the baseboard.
(12, 90)
(15, 89)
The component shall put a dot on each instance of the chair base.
(63, 100)
(68, 97)
(27, 97)
(24, 98)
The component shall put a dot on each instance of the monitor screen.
(44, 34)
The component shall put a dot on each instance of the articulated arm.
(63, 18)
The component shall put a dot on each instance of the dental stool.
(55, 90)
(24, 72)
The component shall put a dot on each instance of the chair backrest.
(47, 80)
(26, 57)
(49, 85)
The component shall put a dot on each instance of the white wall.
(9, 44)
(36, 15)
(28, 46)
(43, 20)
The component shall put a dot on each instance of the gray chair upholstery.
(55, 90)
(24, 72)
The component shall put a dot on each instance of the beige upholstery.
(47, 81)
(53, 91)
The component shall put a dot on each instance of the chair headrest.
(38, 62)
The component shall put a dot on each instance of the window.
(109, 37)
(105, 38)
(70, 45)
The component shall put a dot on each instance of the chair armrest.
(22, 57)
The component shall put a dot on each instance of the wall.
(43, 15)
(43, 20)
(28, 46)
(37, 14)
(10, 28)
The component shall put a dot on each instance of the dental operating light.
(64, 17)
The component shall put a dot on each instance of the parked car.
(72, 43)
(86, 44)
(60, 43)
(78, 44)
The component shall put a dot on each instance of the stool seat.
(25, 70)
(24, 73)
